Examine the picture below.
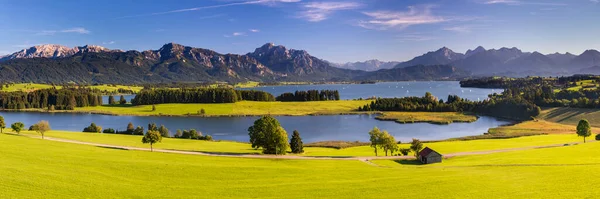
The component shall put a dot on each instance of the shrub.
(93, 128)
(109, 130)
(33, 127)
(404, 151)
(138, 131)
(598, 137)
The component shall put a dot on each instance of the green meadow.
(243, 108)
(35, 168)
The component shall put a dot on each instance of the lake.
(311, 128)
(440, 89)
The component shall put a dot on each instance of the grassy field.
(538, 127)
(250, 84)
(244, 148)
(571, 116)
(235, 109)
(26, 87)
(33, 168)
(115, 88)
(429, 117)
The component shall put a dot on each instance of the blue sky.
(339, 31)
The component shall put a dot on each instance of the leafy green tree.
(178, 134)
(2, 124)
(17, 127)
(138, 130)
(122, 100)
(388, 143)
(416, 146)
(151, 138)
(584, 129)
(164, 132)
(152, 127)
(130, 127)
(41, 127)
(375, 138)
(404, 151)
(93, 128)
(267, 133)
(111, 100)
(296, 143)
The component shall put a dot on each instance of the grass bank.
(571, 116)
(243, 108)
(427, 117)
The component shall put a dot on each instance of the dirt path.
(365, 159)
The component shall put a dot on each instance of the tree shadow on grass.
(116, 148)
(408, 162)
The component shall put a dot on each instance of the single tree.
(111, 100)
(296, 143)
(153, 107)
(130, 127)
(17, 127)
(584, 129)
(164, 132)
(416, 146)
(202, 111)
(122, 100)
(41, 127)
(151, 138)
(375, 138)
(178, 134)
(2, 124)
(388, 143)
(267, 133)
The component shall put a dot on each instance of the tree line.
(59, 99)
(310, 95)
(198, 95)
(501, 106)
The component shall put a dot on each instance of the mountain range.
(509, 61)
(270, 63)
(177, 63)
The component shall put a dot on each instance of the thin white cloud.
(77, 30)
(522, 2)
(254, 30)
(235, 34)
(319, 11)
(459, 29)
(415, 15)
(414, 37)
(595, 1)
(264, 2)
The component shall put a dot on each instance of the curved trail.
(360, 158)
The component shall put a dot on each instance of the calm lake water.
(440, 89)
(312, 128)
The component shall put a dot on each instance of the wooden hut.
(428, 156)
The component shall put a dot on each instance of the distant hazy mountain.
(369, 65)
(475, 51)
(561, 59)
(53, 51)
(440, 57)
(419, 72)
(587, 59)
(594, 70)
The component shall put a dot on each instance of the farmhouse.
(428, 156)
